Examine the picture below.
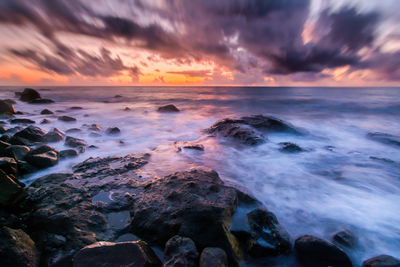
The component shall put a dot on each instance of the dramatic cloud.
(262, 38)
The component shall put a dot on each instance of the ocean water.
(334, 185)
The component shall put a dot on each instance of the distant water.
(335, 185)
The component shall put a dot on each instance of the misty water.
(343, 181)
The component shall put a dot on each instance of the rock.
(382, 261)
(188, 145)
(5, 138)
(46, 112)
(14, 129)
(74, 142)
(53, 137)
(68, 153)
(75, 108)
(133, 253)
(25, 167)
(4, 145)
(269, 124)
(42, 149)
(113, 131)
(2, 129)
(15, 140)
(66, 118)
(17, 249)
(31, 133)
(94, 134)
(22, 121)
(16, 151)
(345, 238)
(127, 109)
(180, 251)
(41, 101)
(385, 138)
(10, 101)
(45, 121)
(43, 160)
(29, 95)
(314, 251)
(73, 130)
(6, 107)
(213, 257)
(289, 147)
(95, 127)
(9, 189)
(8, 165)
(168, 108)
(117, 96)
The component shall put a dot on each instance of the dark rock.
(117, 96)
(93, 147)
(19, 141)
(66, 118)
(314, 251)
(133, 253)
(95, 127)
(213, 257)
(53, 137)
(46, 112)
(2, 129)
(382, 261)
(45, 121)
(29, 95)
(21, 121)
(14, 129)
(8, 165)
(269, 124)
(75, 108)
(94, 134)
(4, 145)
(44, 160)
(180, 251)
(168, 108)
(5, 138)
(17, 152)
(42, 149)
(73, 130)
(25, 167)
(188, 145)
(113, 131)
(10, 101)
(289, 147)
(127, 109)
(385, 160)
(74, 142)
(6, 107)
(68, 153)
(17, 249)
(385, 138)
(31, 133)
(41, 101)
(9, 189)
(345, 238)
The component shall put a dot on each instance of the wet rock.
(46, 112)
(68, 153)
(289, 147)
(345, 238)
(25, 167)
(269, 124)
(6, 107)
(45, 121)
(8, 165)
(113, 131)
(314, 251)
(9, 188)
(15, 140)
(41, 101)
(127, 109)
(2, 129)
(4, 145)
(188, 145)
(42, 149)
(117, 96)
(17, 249)
(213, 257)
(385, 138)
(73, 130)
(17, 152)
(5, 138)
(31, 133)
(53, 137)
(180, 251)
(133, 253)
(66, 118)
(29, 95)
(94, 134)
(10, 101)
(75, 108)
(382, 261)
(14, 129)
(22, 121)
(43, 160)
(95, 127)
(168, 108)
(74, 142)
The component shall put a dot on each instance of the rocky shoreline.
(104, 213)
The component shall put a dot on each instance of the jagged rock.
(17, 152)
(43, 160)
(68, 153)
(66, 118)
(6, 107)
(213, 257)
(180, 251)
(385, 138)
(168, 108)
(74, 142)
(188, 145)
(382, 261)
(46, 112)
(289, 147)
(45, 121)
(29, 95)
(8, 165)
(22, 121)
(113, 131)
(345, 238)
(17, 249)
(31, 133)
(41, 101)
(133, 253)
(9, 189)
(314, 251)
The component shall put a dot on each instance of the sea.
(343, 180)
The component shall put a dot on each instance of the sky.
(200, 42)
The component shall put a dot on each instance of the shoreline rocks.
(168, 108)
(28, 95)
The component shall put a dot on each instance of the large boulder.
(180, 251)
(43, 160)
(31, 133)
(29, 95)
(382, 261)
(134, 253)
(314, 251)
(213, 257)
(6, 107)
(17, 152)
(9, 188)
(17, 249)
(385, 138)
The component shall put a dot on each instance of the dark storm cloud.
(238, 34)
